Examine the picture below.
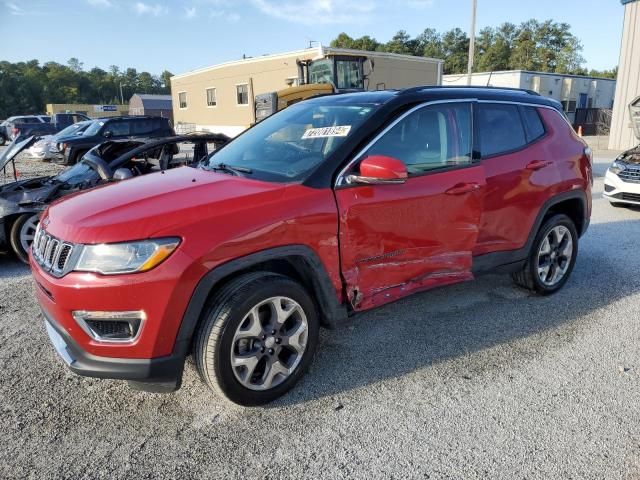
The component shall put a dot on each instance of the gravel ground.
(479, 380)
(27, 168)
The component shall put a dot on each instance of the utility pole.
(472, 40)
(121, 96)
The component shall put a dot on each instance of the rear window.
(500, 129)
(532, 123)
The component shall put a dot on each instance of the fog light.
(115, 327)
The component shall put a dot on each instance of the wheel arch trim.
(330, 307)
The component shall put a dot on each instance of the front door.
(397, 239)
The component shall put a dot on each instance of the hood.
(14, 148)
(29, 191)
(139, 208)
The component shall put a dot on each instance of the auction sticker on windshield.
(337, 131)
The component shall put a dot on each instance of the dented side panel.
(398, 239)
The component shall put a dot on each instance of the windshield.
(288, 145)
(79, 173)
(321, 71)
(71, 129)
(93, 129)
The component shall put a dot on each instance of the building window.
(211, 97)
(242, 96)
(182, 99)
(569, 106)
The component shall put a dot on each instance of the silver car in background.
(46, 148)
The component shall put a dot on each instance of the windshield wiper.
(223, 167)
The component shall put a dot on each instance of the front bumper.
(619, 191)
(164, 373)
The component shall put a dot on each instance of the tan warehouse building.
(221, 98)
(573, 91)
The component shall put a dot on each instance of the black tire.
(73, 158)
(15, 235)
(3, 140)
(528, 277)
(223, 317)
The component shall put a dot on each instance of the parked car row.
(28, 125)
(22, 202)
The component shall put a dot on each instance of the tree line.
(533, 45)
(26, 87)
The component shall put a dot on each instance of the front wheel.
(22, 234)
(3, 140)
(552, 257)
(257, 338)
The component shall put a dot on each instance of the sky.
(181, 35)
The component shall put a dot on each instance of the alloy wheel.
(28, 232)
(269, 344)
(554, 255)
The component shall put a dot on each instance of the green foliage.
(541, 46)
(26, 87)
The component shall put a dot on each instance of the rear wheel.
(22, 233)
(73, 158)
(257, 338)
(552, 257)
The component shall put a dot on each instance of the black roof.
(431, 93)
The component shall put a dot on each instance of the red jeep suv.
(336, 205)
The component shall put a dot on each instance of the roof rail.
(476, 87)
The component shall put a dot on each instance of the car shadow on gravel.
(428, 329)
(11, 267)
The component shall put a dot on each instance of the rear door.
(396, 239)
(518, 170)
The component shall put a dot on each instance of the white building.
(573, 91)
(628, 88)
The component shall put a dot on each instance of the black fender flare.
(330, 307)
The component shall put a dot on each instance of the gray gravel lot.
(479, 380)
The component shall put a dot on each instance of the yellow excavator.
(323, 76)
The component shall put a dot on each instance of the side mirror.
(122, 174)
(107, 134)
(380, 170)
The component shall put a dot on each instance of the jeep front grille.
(52, 254)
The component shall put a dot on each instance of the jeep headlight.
(617, 166)
(129, 257)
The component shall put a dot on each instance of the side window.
(242, 94)
(500, 129)
(141, 126)
(433, 137)
(533, 125)
(118, 129)
(182, 99)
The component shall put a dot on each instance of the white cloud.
(100, 3)
(317, 11)
(150, 9)
(14, 9)
(189, 12)
(224, 15)
(418, 4)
